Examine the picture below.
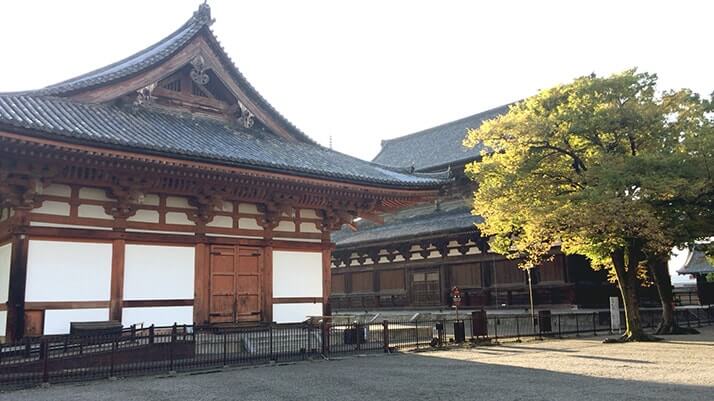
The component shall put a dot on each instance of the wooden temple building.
(165, 189)
(422, 251)
(701, 269)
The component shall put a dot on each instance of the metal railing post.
(171, 349)
(577, 326)
(595, 323)
(560, 332)
(385, 335)
(271, 356)
(45, 356)
(518, 329)
(495, 328)
(225, 348)
(416, 329)
(111, 358)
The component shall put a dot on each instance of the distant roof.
(194, 138)
(697, 263)
(52, 113)
(409, 224)
(439, 146)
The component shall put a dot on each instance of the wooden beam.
(117, 281)
(326, 278)
(201, 284)
(268, 299)
(66, 305)
(15, 328)
(158, 302)
(298, 300)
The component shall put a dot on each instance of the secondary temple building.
(165, 189)
(420, 252)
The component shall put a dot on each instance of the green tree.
(569, 166)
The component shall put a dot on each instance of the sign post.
(614, 315)
(459, 329)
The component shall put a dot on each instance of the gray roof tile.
(435, 147)
(156, 132)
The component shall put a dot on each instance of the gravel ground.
(582, 369)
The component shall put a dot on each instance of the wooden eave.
(34, 148)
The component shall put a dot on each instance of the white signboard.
(615, 314)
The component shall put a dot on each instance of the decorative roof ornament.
(246, 119)
(144, 96)
(203, 14)
(198, 72)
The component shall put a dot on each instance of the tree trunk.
(626, 273)
(660, 273)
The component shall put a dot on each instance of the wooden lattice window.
(173, 85)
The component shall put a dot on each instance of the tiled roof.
(697, 263)
(435, 147)
(156, 132)
(160, 52)
(409, 224)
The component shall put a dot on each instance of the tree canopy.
(606, 167)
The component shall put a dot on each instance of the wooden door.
(222, 284)
(235, 285)
(249, 284)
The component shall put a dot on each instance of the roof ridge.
(199, 18)
(413, 134)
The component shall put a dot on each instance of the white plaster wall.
(178, 218)
(177, 201)
(5, 257)
(57, 321)
(285, 226)
(221, 221)
(248, 224)
(94, 194)
(151, 200)
(158, 316)
(3, 323)
(53, 207)
(248, 208)
(297, 274)
(158, 272)
(93, 212)
(309, 228)
(145, 216)
(68, 271)
(291, 313)
(57, 190)
(308, 214)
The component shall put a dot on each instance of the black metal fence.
(157, 350)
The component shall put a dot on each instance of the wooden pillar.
(15, 329)
(201, 284)
(117, 282)
(268, 283)
(326, 278)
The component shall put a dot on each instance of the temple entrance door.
(235, 285)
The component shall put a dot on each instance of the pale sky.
(363, 71)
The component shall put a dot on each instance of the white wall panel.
(158, 316)
(5, 256)
(68, 271)
(93, 194)
(53, 207)
(57, 320)
(291, 313)
(297, 274)
(93, 212)
(3, 323)
(158, 272)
